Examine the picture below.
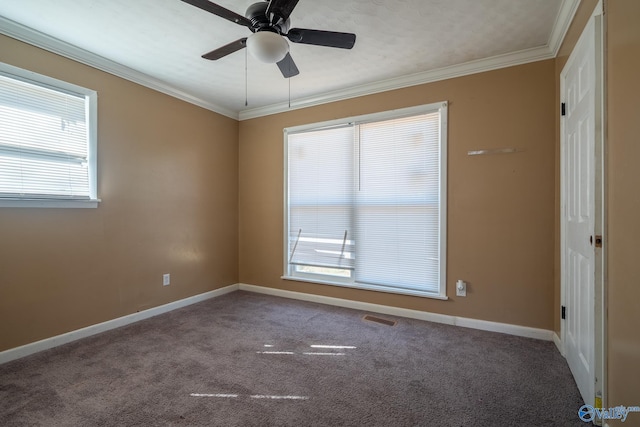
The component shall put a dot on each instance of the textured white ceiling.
(164, 39)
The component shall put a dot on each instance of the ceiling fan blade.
(220, 11)
(288, 67)
(226, 49)
(280, 10)
(322, 38)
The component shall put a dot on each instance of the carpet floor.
(247, 359)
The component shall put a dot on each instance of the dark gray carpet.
(210, 364)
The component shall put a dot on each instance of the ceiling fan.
(269, 23)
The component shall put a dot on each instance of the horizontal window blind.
(320, 197)
(397, 203)
(44, 147)
(365, 203)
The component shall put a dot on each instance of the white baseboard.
(45, 344)
(558, 342)
(505, 328)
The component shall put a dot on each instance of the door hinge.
(563, 313)
(563, 109)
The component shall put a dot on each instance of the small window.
(366, 202)
(47, 141)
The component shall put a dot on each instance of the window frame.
(91, 111)
(442, 108)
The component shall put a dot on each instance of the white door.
(579, 131)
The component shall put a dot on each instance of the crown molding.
(565, 16)
(568, 9)
(472, 67)
(36, 38)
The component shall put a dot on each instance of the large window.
(366, 201)
(47, 141)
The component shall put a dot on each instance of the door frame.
(600, 380)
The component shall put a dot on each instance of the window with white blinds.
(366, 201)
(47, 141)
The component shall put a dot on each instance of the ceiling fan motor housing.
(257, 14)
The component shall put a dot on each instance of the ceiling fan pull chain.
(289, 87)
(246, 79)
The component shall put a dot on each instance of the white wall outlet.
(461, 288)
(166, 279)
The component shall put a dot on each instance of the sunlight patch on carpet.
(273, 351)
(337, 347)
(253, 396)
(264, 396)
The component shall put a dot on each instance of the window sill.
(44, 203)
(368, 287)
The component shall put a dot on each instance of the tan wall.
(168, 177)
(623, 174)
(167, 174)
(501, 207)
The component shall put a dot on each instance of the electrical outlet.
(166, 279)
(461, 288)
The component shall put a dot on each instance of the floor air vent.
(387, 322)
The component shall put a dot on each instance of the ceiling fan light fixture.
(267, 46)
